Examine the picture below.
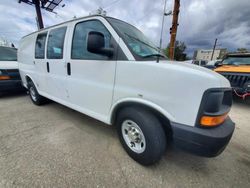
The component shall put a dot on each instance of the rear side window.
(55, 43)
(40, 45)
(79, 44)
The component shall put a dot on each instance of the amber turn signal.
(212, 121)
(4, 77)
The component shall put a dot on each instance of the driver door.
(90, 81)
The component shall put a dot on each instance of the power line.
(146, 15)
(111, 4)
(11, 32)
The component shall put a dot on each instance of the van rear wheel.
(34, 95)
(141, 135)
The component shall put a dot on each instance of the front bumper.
(204, 142)
(9, 85)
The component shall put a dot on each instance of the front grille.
(14, 74)
(237, 80)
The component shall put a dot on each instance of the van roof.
(75, 19)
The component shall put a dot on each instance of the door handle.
(48, 67)
(68, 69)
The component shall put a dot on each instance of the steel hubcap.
(33, 93)
(133, 136)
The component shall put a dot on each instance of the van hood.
(200, 72)
(8, 65)
(234, 68)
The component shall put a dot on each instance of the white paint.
(96, 87)
(8, 65)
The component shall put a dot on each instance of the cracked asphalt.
(54, 146)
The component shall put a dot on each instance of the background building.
(207, 54)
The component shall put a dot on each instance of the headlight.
(3, 72)
(4, 75)
(215, 105)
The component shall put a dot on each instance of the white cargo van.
(109, 70)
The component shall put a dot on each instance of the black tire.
(34, 95)
(152, 130)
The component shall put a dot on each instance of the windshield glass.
(236, 61)
(8, 54)
(135, 39)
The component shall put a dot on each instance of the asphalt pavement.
(54, 146)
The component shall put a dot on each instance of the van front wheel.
(34, 95)
(141, 135)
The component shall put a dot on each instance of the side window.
(40, 45)
(79, 43)
(55, 43)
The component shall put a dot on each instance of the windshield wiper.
(153, 55)
(141, 42)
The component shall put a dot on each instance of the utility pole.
(215, 44)
(173, 29)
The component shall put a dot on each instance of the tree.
(179, 54)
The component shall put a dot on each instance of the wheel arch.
(28, 79)
(164, 117)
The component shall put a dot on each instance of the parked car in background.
(9, 75)
(200, 62)
(212, 64)
(236, 68)
(107, 69)
(188, 61)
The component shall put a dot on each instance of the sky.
(200, 21)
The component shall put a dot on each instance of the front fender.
(140, 101)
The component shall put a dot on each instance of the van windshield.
(137, 42)
(8, 54)
(236, 61)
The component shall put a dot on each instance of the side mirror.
(96, 44)
(218, 64)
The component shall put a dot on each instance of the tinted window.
(40, 45)
(55, 43)
(8, 54)
(79, 44)
(237, 61)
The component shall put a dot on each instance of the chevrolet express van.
(107, 69)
